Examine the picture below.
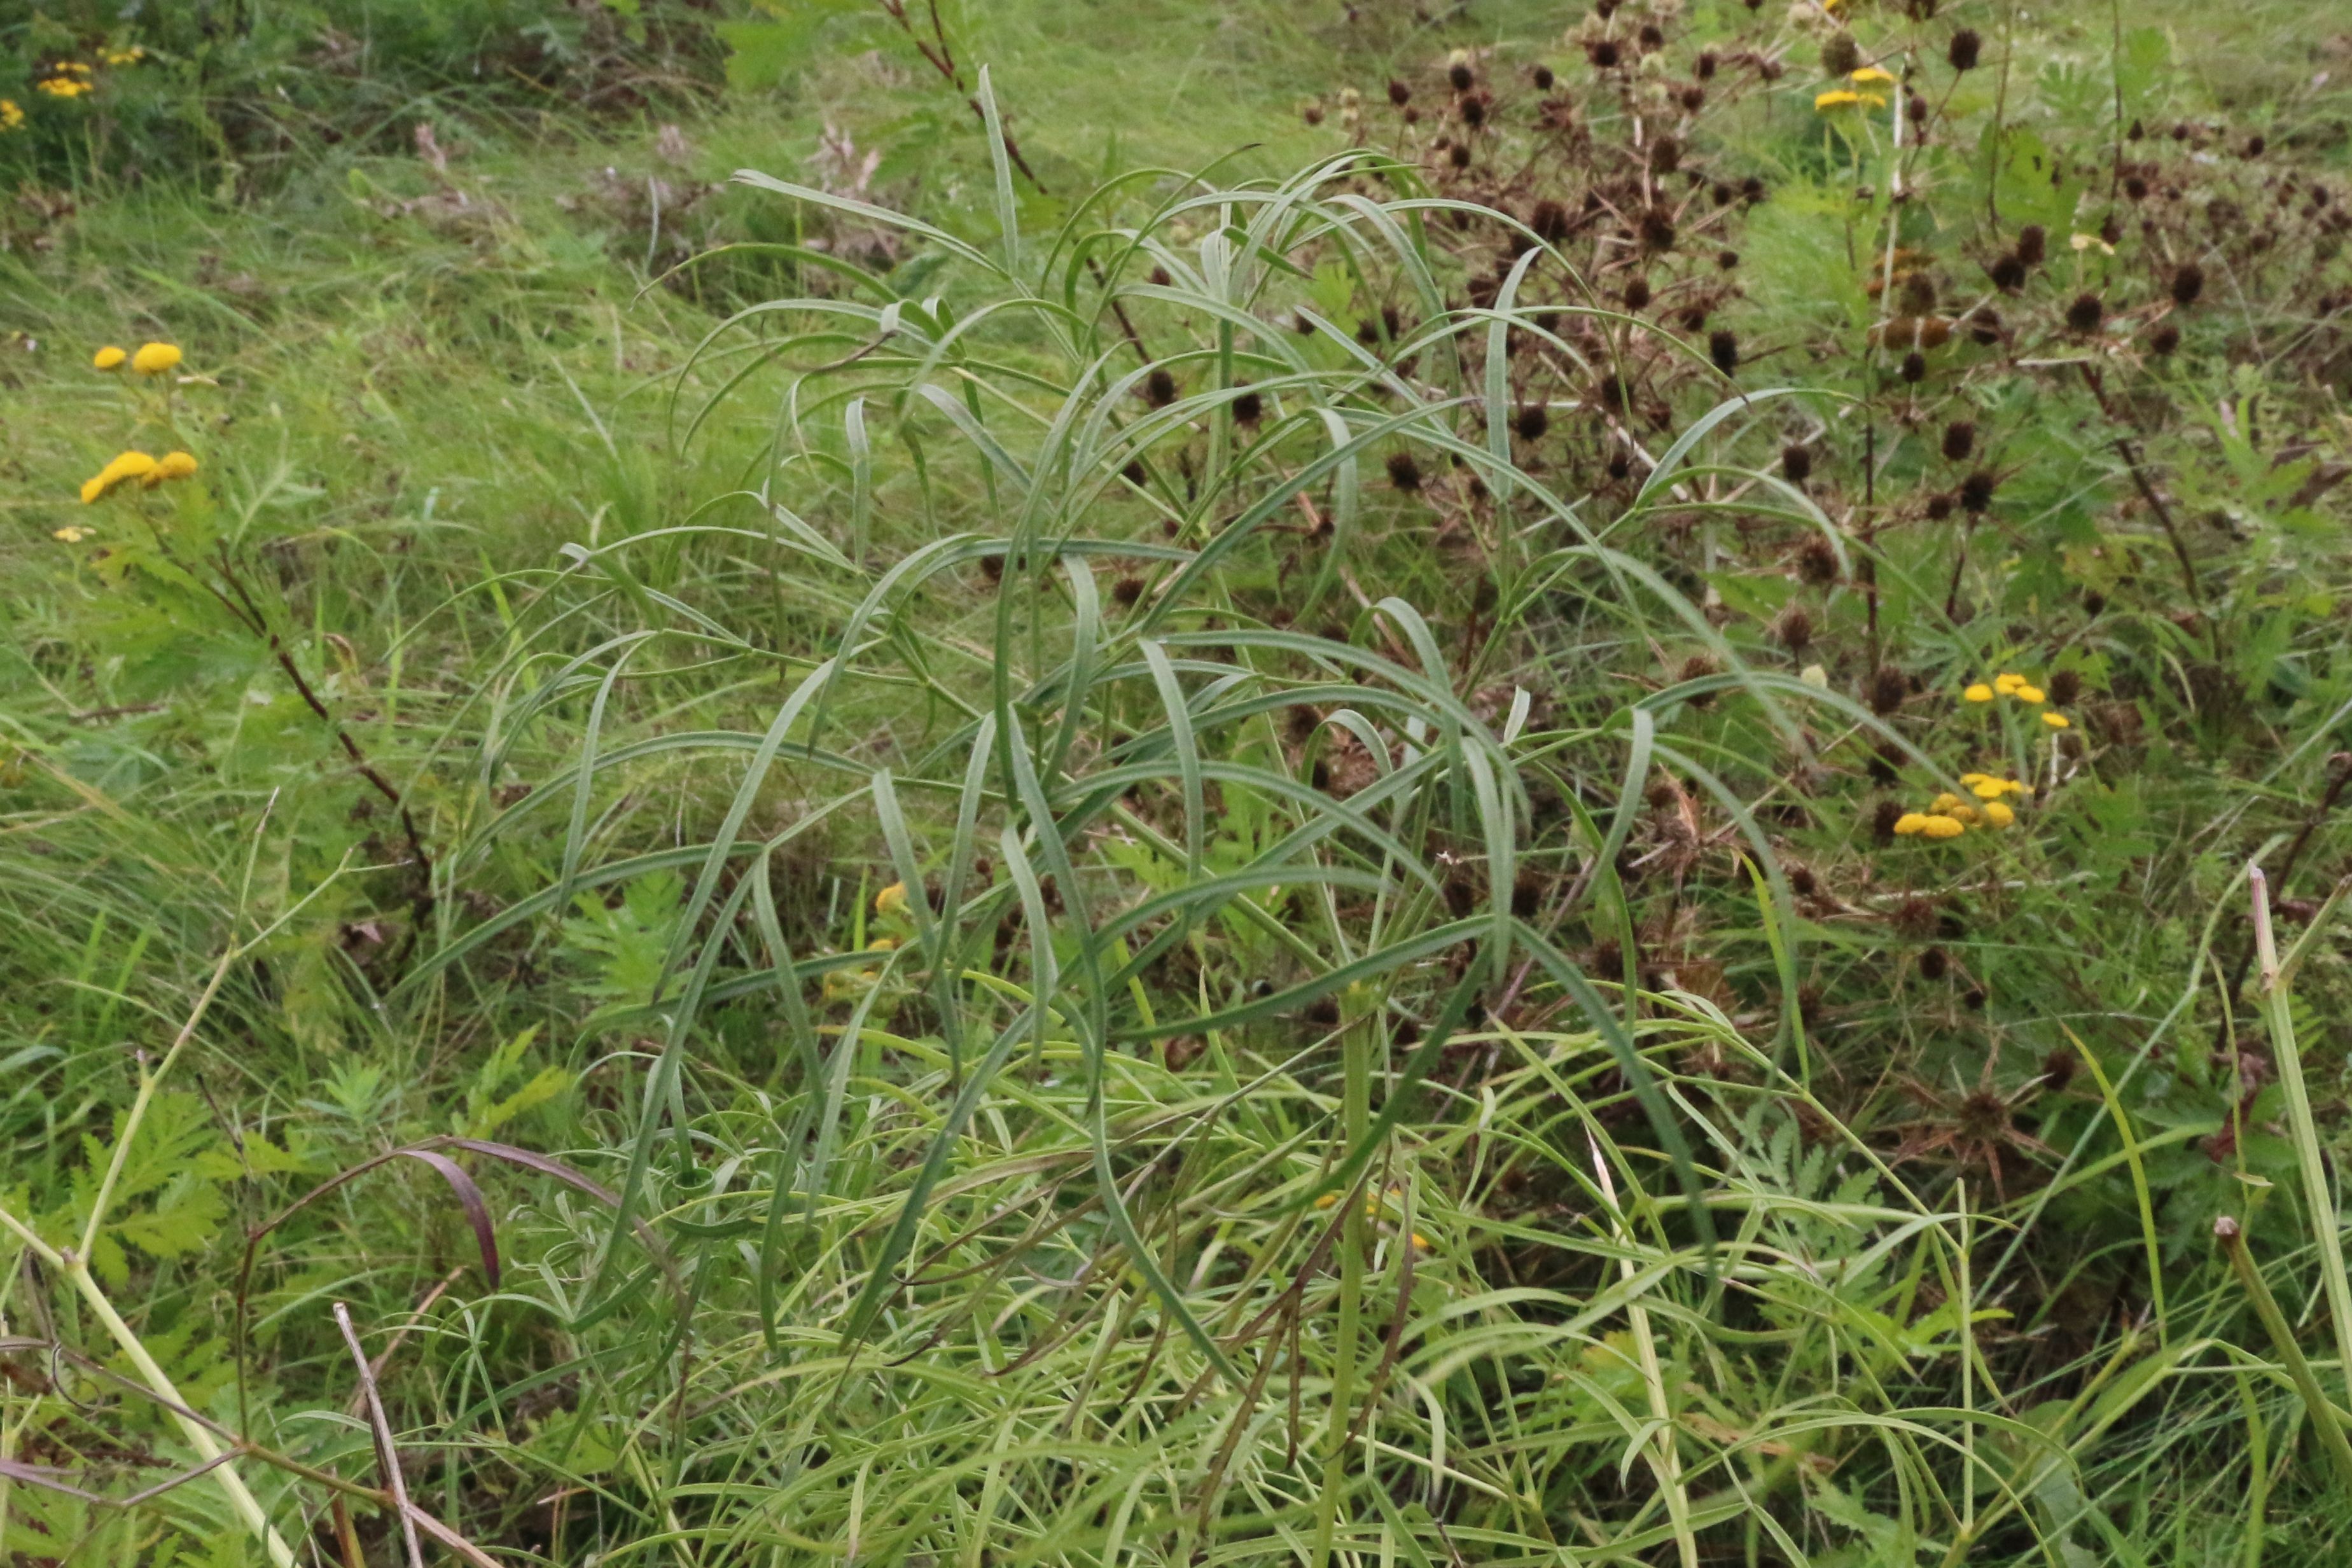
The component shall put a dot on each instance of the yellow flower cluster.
(67, 79)
(1948, 816)
(148, 471)
(1846, 98)
(11, 117)
(130, 57)
(151, 359)
(2009, 684)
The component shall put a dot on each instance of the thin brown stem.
(387, 1453)
(1869, 564)
(943, 59)
(2147, 487)
(1959, 563)
(2319, 813)
(251, 615)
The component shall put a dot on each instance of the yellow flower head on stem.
(1911, 823)
(1870, 74)
(11, 116)
(1836, 98)
(891, 900)
(2029, 695)
(2057, 721)
(1979, 693)
(171, 465)
(1940, 827)
(1997, 814)
(2007, 682)
(108, 358)
(126, 465)
(154, 358)
(1944, 802)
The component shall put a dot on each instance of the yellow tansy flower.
(1962, 814)
(154, 358)
(109, 356)
(1911, 823)
(2029, 695)
(1999, 815)
(2057, 721)
(2007, 682)
(1987, 788)
(1944, 802)
(11, 117)
(891, 900)
(126, 465)
(171, 465)
(1869, 73)
(62, 86)
(1940, 827)
(1979, 693)
(1836, 98)
(881, 944)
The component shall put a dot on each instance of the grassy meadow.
(822, 782)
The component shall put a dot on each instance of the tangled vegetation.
(1520, 831)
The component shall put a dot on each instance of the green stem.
(2289, 1063)
(148, 1084)
(1355, 1124)
(1665, 1458)
(2325, 1418)
(2258, 1481)
(207, 1448)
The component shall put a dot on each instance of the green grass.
(1396, 1036)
